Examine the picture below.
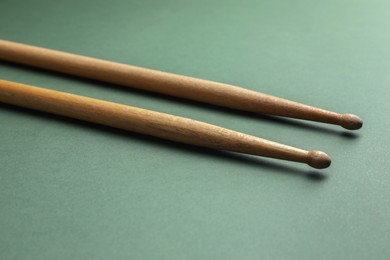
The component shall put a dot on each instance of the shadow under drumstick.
(247, 160)
(297, 123)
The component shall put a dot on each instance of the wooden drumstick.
(152, 123)
(170, 84)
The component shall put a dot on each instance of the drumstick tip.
(318, 159)
(351, 122)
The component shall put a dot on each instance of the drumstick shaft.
(170, 84)
(152, 123)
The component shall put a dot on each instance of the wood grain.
(152, 123)
(170, 84)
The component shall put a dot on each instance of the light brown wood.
(170, 84)
(152, 123)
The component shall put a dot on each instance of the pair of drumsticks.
(157, 124)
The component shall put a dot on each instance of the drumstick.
(152, 123)
(170, 84)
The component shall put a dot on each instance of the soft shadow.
(272, 119)
(349, 135)
(247, 160)
(316, 176)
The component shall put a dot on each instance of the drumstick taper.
(170, 84)
(152, 123)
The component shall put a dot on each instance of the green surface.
(73, 190)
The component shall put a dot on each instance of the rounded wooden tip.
(318, 159)
(351, 122)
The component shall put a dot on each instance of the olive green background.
(74, 190)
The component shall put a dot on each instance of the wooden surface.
(152, 123)
(170, 84)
